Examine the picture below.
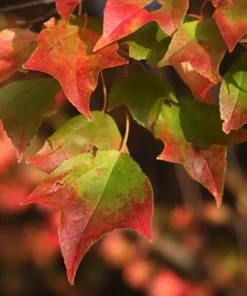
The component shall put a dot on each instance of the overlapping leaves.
(122, 18)
(92, 180)
(65, 52)
(96, 195)
(76, 136)
(191, 130)
(200, 44)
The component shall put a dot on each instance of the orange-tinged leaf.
(66, 7)
(16, 47)
(192, 134)
(199, 85)
(76, 136)
(65, 52)
(170, 16)
(95, 196)
(231, 18)
(201, 45)
(122, 18)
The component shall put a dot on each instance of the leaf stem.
(127, 130)
(204, 4)
(104, 91)
(26, 5)
(85, 21)
(80, 8)
(243, 44)
(195, 16)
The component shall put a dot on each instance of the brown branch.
(11, 8)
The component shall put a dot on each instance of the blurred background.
(198, 250)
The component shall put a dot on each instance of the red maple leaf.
(66, 7)
(231, 18)
(95, 196)
(200, 44)
(65, 52)
(122, 18)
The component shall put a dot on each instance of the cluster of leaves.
(92, 179)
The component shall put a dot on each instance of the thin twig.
(40, 19)
(127, 130)
(203, 8)
(142, 66)
(243, 44)
(104, 91)
(85, 21)
(159, 70)
(80, 8)
(195, 16)
(11, 8)
(127, 116)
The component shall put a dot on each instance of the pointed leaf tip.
(190, 42)
(131, 15)
(67, 60)
(120, 197)
(78, 135)
(193, 136)
(231, 18)
(66, 7)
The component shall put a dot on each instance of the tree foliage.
(92, 178)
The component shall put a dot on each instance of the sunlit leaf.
(231, 18)
(121, 18)
(65, 52)
(96, 195)
(201, 45)
(192, 134)
(66, 7)
(76, 136)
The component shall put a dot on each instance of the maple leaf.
(121, 18)
(233, 95)
(23, 104)
(143, 94)
(148, 43)
(231, 18)
(76, 136)
(16, 47)
(66, 7)
(192, 134)
(170, 16)
(200, 44)
(198, 84)
(95, 196)
(64, 52)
